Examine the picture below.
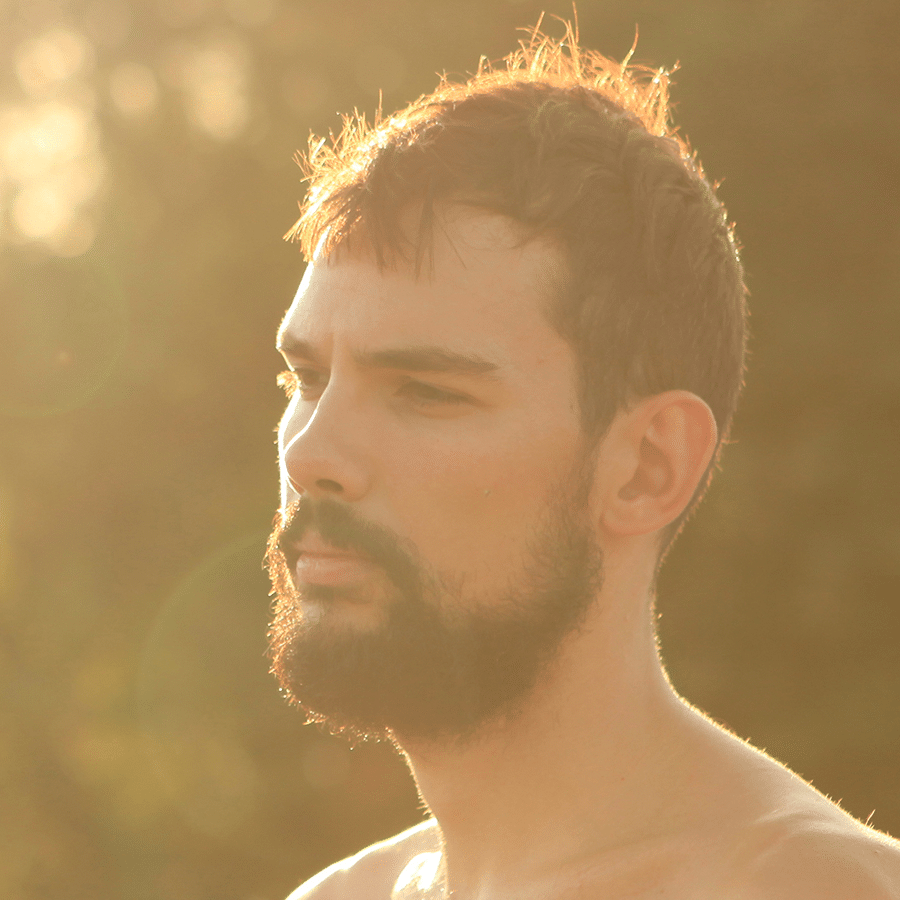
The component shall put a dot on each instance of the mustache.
(345, 529)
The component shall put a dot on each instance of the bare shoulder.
(773, 836)
(371, 873)
(819, 855)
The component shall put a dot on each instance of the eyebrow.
(289, 346)
(408, 359)
(425, 359)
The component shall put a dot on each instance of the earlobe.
(661, 449)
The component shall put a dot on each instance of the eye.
(428, 395)
(309, 383)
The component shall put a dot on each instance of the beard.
(440, 664)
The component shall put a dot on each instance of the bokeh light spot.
(38, 211)
(49, 153)
(214, 79)
(36, 138)
(43, 62)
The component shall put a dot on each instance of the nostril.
(326, 484)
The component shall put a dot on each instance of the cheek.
(481, 498)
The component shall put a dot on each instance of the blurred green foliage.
(145, 181)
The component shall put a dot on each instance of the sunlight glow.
(49, 153)
(51, 165)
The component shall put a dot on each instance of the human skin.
(607, 784)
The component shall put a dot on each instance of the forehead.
(481, 288)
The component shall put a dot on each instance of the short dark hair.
(577, 148)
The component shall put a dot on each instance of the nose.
(321, 451)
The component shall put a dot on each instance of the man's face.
(435, 543)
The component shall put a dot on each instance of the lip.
(320, 563)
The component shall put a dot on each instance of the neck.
(594, 756)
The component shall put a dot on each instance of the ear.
(654, 456)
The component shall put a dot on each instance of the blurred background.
(145, 182)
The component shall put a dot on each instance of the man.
(512, 361)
